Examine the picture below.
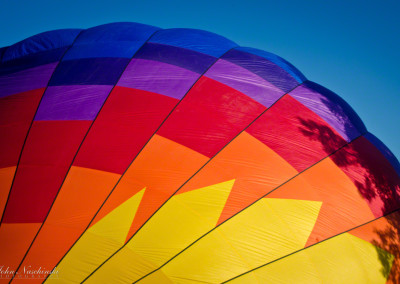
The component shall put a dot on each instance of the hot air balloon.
(134, 154)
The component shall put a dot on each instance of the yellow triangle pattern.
(265, 231)
(342, 259)
(99, 242)
(183, 219)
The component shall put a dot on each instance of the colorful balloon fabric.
(130, 153)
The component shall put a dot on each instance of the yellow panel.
(157, 277)
(183, 219)
(267, 230)
(99, 242)
(342, 259)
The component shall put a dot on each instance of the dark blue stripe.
(197, 40)
(111, 40)
(2, 51)
(31, 60)
(41, 42)
(89, 71)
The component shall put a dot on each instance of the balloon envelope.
(133, 153)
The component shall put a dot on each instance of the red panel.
(210, 116)
(46, 158)
(296, 133)
(126, 122)
(16, 114)
(374, 176)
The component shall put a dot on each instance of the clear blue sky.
(349, 46)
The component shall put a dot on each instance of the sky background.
(350, 47)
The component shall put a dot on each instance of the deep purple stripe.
(26, 80)
(329, 111)
(264, 68)
(245, 82)
(78, 102)
(185, 58)
(158, 77)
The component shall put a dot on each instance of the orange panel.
(15, 240)
(162, 167)
(254, 166)
(384, 233)
(6, 177)
(342, 208)
(82, 194)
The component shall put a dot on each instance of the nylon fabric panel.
(31, 61)
(384, 150)
(16, 115)
(83, 192)
(89, 71)
(197, 40)
(224, 252)
(271, 71)
(125, 124)
(332, 108)
(185, 58)
(374, 176)
(48, 153)
(385, 235)
(211, 115)
(158, 77)
(107, 234)
(72, 102)
(245, 82)
(285, 65)
(342, 205)
(110, 40)
(256, 169)
(160, 168)
(18, 238)
(331, 261)
(26, 80)
(289, 128)
(40, 43)
(169, 231)
(6, 178)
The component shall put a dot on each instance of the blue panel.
(185, 58)
(32, 60)
(197, 40)
(385, 151)
(2, 50)
(89, 71)
(111, 40)
(344, 112)
(278, 61)
(262, 67)
(41, 42)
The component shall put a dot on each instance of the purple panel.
(331, 112)
(79, 102)
(185, 58)
(158, 77)
(245, 82)
(22, 81)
